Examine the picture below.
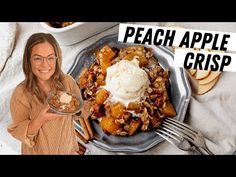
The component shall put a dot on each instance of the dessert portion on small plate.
(64, 102)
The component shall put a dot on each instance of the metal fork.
(176, 139)
(187, 132)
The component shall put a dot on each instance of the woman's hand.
(45, 116)
(42, 118)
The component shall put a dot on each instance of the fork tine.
(170, 138)
(178, 128)
(193, 136)
(181, 124)
(184, 133)
(170, 133)
(181, 127)
(170, 130)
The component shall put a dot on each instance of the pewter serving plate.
(179, 93)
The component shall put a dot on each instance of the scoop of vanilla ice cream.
(65, 98)
(126, 81)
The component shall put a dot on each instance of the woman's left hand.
(42, 118)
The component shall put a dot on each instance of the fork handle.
(208, 151)
(205, 151)
(201, 150)
(197, 150)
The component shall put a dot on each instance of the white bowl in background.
(77, 31)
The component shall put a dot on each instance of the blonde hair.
(30, 79)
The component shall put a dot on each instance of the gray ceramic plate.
(56, 110)
(180, 96)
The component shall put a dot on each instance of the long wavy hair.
(30, 79)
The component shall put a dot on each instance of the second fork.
(192, 135)
(176, 140)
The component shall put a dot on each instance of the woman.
(39, 130)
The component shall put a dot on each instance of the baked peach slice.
(101, 80)
(104, 56)
(136, 51)
(133, 126)
(101, 96)
(168, 109)
(117, 110)
(108, 125)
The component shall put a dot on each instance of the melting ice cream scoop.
(65, 98)
(126, 81)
